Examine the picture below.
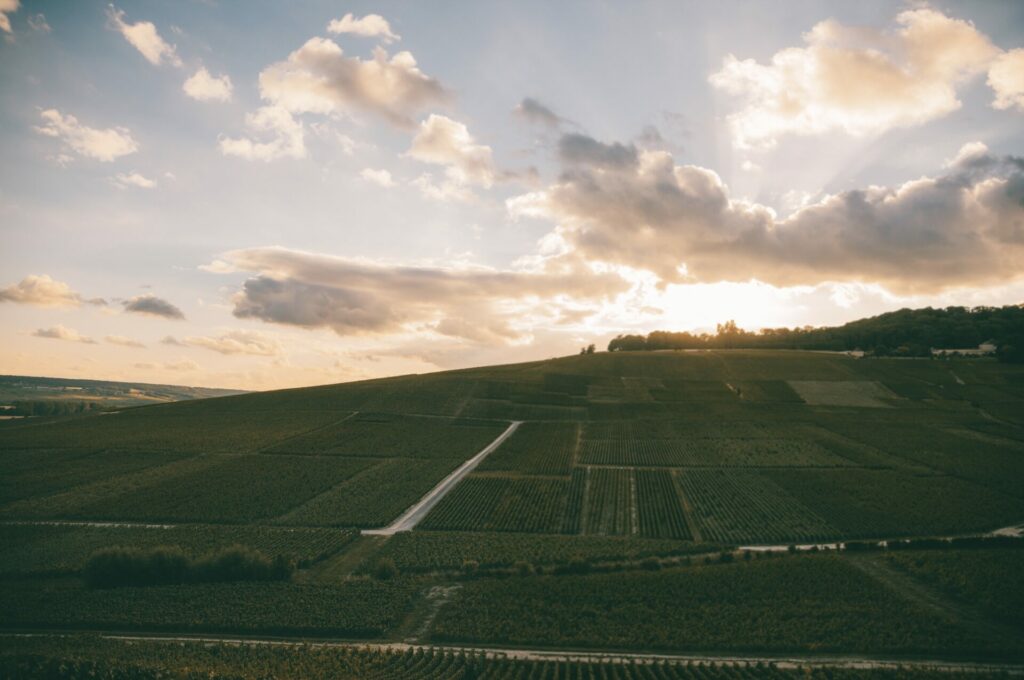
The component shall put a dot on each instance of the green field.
(614, 518)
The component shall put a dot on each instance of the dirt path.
(939, 603)
(411, 517)
(417, 625)
(782, 660)
(342, 565)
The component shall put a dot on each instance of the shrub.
(166, 565)
(385, 569)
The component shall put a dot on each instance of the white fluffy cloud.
(43, 291)
(133, 179)
(7, 7)
(1006, 78)
(370, 26)
(102, 144)
(379, 177)
(277, 135)
(856, 79)
(679, 222)
(352, 297)
(237, 342)
(443, 141)
(60, 332)
(205, 87)
(319, 78)
(144, 37)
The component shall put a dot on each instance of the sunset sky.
(267, 194)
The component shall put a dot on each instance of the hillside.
(624, 491)
(22, 395)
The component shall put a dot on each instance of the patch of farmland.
(419, 551)
(485, 503)
(70, 503)
(610, 503)
(733, 506)
(775, 391)
(625, 410)
(1000, 466)
(393, 436)
(37, 472)
(862, 393)
(375, 496)
(659, 506)
(674, 429)
(536, 448)
(693, 391)
(179, 428)
(50, 549)
(508, 410)
(573, 518)
(235, 489)
(708, 453)
(881, 503)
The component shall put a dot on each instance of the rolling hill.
(635, 505)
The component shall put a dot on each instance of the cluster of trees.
(169, 565)
(907, 332)
(53, 407)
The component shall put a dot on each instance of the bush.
(167, 565)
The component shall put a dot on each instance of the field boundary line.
(411, 517)
(265, 449)
(782, 659)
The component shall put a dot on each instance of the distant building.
(985, 348)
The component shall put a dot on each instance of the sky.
(261, 195)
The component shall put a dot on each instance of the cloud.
(123, 341)
(579, 149)
(378, 177)
(7, 7)
(103, 145)
(43, 291)
(319, 78)
(143, 36)
(533, 111)
(857, 80)
(443, 141)
(354, 297)
(205, 87)
(133, 179)
(370, 26)
(1006, 78)
(60, 332)
(445, 191)
(181, 365)
(237, 342)
(957, 229)
(38, 23)
(283, 136)
(153, 306)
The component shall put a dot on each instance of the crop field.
(536, 449)
(990, 579)
(616, 517)
(488, 503)
(609, 510)
(707, 452)
(811, 602)
(387, 436)
(76, 657)
(880, 503)
(374, 496)
(58, 549)
(659, 506)
(747, 507)
(234, 489)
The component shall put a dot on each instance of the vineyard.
(69, 658)
(747, 507)
(536, 449)
(621, 515)
(485, 503)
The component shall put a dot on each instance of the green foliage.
(486, 503)
(811, 603)
(610, 502)
(659, 506)
(536, 449)
(121, 566)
